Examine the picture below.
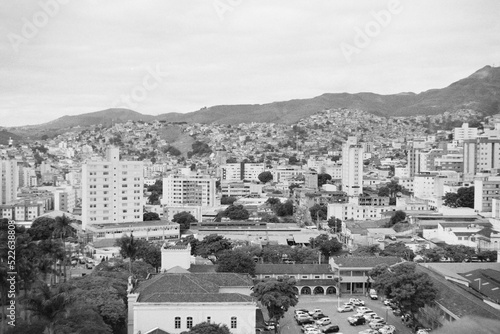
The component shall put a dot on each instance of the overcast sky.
(79, 56)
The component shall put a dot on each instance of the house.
(176, 299)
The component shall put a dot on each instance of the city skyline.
(67, 58)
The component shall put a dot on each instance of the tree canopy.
(318, 211)
(236, 261)
(148, 216)
(323, 178)
(265, 177)
(236, 212)
(213, 245)
(208, 328)
(397, 217)
(184, 219)
(326, 245)
(408, 288)
(277, 296)
(464, 197)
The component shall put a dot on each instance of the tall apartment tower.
(112, 190)
(190, 190)
(9, 184)
(352, 167)
(481, 154)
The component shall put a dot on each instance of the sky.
(69, 57)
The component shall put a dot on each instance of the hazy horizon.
(72, 57)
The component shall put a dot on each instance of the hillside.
(6, 135)
(479, 92)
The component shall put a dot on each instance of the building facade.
(352, 167)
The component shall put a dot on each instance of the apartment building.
(189, 189)
(64, 198)
(481, 154)
(112, 190)
(22, 210)
(485, 190)
(241, 171)
(9, 184)
(464, 132)
(352, 167)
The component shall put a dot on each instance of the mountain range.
(479, 91)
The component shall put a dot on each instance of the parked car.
(307, 327)
(387, 329)
(330, 329)
(363, 309)
(318, 316)
(312, 331)
(270, 325)
(376, 318)
(345, 308)
(89, 264)
(323, 322)
(357, 302)
(304, 319)
(313, 312)
(376, 325)
(300, 311)
(369, 315)
(397, 312)
(369, 331)
(356, 320)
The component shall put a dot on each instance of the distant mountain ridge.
(479, 91)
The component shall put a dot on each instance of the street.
(328, 304)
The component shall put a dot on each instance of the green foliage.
(335, 224)
(156, 191)
(318, 211)
(323, 179)
(398, 249)
(384, 192)
(265, 177)
(458, 253)
(433, 254)
(208, 328)
(276, 295)
(172, 151)
(489, 256)
(148, 216)
(285, 209)
(213, 245)
(293, 186)
(326, 245)
(199, 148)
(464, 197)
(236, 212)
(236, 261)
(367, 250)
(42, 228)
(228, 200)
(397, 217)
(303, 255)
(409, 289)
(83, 321)
(118, 269)
(185, 219)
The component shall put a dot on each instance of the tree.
(384, 192)
(208, 328)
(326, 245)
(47, 304)
(149, 253)
(335, 224)
(458, 253)
(235, 261)
(303, 255)
(489, 256)
(293, 160)
(398, 249)
(397, 217)
(409, 289)
(148, 216)
(213, 245)
(323, 179)
(285, 209)
(367, 250)
(42, 228)
(432, 254)
(228, 200)
(265, 177)
(184, 219)
(293, 186)
(236, 212)
(277, 296)
(464, 197)
(275, 253)
(318, 211)
(394, 187)
(128, 248)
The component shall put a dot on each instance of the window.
(209, 318)
(189, 322)
(234, 322)
(177, 322)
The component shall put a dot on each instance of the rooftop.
(365, 261)
(292, 269)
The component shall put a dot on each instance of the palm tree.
(128, 248)
(48, 305)
(63, 230)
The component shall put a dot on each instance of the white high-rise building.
(352, 167)
(241, 171)
(9, 184)
(190, 190)
(112, 190)
(464, 132)
(65, 198)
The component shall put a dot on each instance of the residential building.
(64, 198)
(464, 132)
(112, 191)
(189, 189)
(22, 210)
(346, 211)
(240, 188)
(152, 230)
(352, 167)
(485, 190)
(457, 232)
(241, 171)
(9, 181)
(481, 154)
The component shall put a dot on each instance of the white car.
(369, 315)
(387, 329)
(357, 302)
(345, 308)
(315, 311)
(308, 327)
(376, 318)
(376, 324)
(323, 322)
(369, 331)
(363, 310)
(312, 331)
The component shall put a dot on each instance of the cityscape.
(334, 209)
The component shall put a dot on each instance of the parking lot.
(328, 304)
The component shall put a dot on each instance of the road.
(328, 304)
